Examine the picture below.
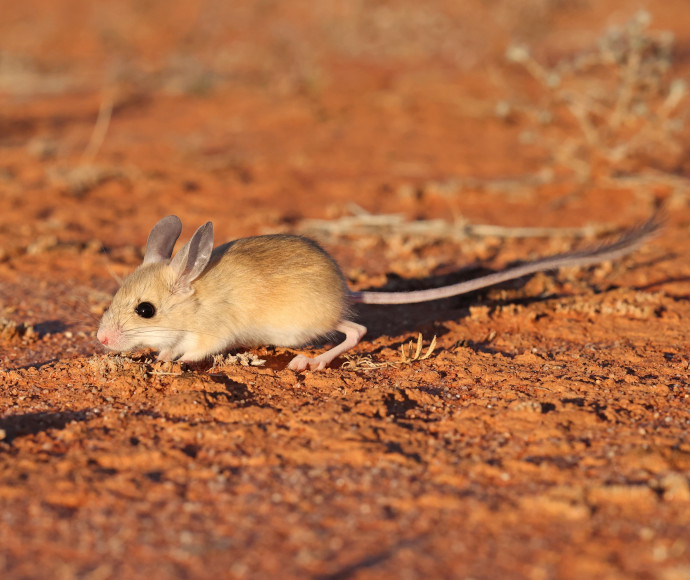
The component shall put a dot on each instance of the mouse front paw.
(166, 355)
(302, 363)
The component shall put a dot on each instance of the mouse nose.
(102, 337)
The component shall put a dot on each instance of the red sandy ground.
(545, 437)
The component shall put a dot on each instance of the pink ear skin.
(161, 240)
(192, 259)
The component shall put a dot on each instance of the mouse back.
(281, 285)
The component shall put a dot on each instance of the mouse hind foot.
(353, 334)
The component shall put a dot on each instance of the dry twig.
(386, 224)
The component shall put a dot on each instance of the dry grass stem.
(409, 357)
(365, 362)
(85, 176)
(409, 353)
(105, 113)
(386, 224)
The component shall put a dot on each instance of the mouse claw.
(299, 363)
(165, 356)
(302, 363)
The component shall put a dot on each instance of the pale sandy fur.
(278, 289)
(282, 290)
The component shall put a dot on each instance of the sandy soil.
(546, 435)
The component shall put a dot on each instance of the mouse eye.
(145, 310)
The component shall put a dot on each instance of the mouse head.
(150, 308)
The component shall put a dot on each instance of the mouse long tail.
(617, 248)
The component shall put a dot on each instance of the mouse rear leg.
(353, 334)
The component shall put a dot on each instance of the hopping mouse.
(282, 290)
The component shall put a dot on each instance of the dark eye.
(145, 310)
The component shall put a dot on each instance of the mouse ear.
(162, 240)
(192, 258)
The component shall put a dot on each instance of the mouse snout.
(105, 337)
(102, 337)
